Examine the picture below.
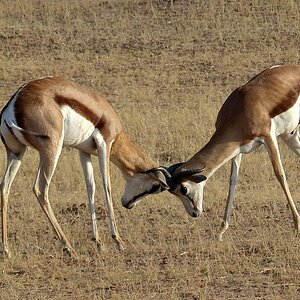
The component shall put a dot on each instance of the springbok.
(254, 114)
(51, 113)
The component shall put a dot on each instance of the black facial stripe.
(138, 196)
(189, 198)
(153, 190)
(191, 201)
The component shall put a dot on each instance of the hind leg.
(273, 151)
(13, 164)
(48, 160)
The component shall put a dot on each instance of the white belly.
(288, 120)
(251, 146)
(282, 124)
(77, 129)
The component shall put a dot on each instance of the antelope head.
(188, 186)
(141, 184)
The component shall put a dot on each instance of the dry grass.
(170, 64)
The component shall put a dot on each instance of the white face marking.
(192, 200)
(139, 186)
(77, 129)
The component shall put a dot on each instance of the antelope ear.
(197, 178)
(192, 175)
(162, 175)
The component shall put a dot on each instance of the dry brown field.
(166, 67)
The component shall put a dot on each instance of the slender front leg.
(13, 165)
(88, 172)
(103, 156)
(235, 167)
(273, 151)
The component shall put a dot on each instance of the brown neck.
(128, 157)
(214, 154)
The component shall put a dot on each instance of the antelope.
(254, 114)
(50, 113)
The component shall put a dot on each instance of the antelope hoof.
(220, 237)
(119, 242)
(5, 253)
(99, 244)
(224, 227)
(69, 252)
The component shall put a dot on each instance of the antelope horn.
(172, 168)
(186, 174)
(192, 175)
(162, 169)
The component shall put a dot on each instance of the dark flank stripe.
(103, 123)
(78, 107)
(287, 102)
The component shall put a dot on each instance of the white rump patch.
(10, 119)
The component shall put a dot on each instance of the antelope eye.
(183, 190)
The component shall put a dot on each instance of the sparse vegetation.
(166, 67)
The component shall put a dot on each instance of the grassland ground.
(166, 67)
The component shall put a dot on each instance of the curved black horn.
(172, 168)
(193, 175)
(162, 169)
(186, 173)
